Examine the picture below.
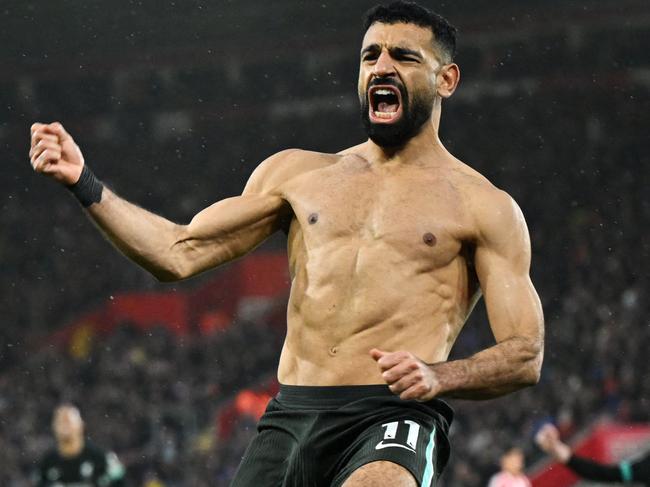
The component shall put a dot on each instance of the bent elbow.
(532, 377)
(533, 370)
(166, 277)
(175, 269)
(176, 265)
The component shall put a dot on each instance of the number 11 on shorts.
(390, 435)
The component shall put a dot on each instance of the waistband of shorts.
(329, 396)
(324, 397)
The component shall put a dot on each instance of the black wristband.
(88, 189)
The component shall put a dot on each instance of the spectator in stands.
(512, 471)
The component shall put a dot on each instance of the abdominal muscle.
(345, 301)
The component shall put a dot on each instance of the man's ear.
(447, 80)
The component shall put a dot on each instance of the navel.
(429, 239)
(313, 218)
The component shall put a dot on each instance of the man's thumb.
(376, 354)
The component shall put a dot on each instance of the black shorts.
(317, 436)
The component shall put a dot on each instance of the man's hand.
(54, 153)
(548, 439)
(406, 375)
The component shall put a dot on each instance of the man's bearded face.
(390, 116)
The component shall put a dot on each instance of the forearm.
(144, 237)
(220, 233)
(512, 364)
(624, 471)
(590, 470)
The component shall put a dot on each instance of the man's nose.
(384, 65)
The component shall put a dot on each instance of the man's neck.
(70, 448)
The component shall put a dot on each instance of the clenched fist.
(406, 375)
(54, 153)
(548, 439)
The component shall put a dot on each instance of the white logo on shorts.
(381, 445)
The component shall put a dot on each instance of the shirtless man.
(390, 244)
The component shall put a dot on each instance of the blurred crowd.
(560, 121)
(152, 397)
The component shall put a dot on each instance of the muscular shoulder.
(500, 221)
(495, 215)
(285, 166)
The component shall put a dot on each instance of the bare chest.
(412, 212)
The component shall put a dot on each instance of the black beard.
(414, 116)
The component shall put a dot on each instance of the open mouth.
(385, 104)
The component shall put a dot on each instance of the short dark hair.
(400, 11)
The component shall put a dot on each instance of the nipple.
(429, 239)
(313, 218)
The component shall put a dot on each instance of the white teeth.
(385, 114)
(383, 92)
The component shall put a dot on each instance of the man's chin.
(388, 142)
(387, 135)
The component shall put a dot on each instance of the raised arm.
(502, 262)
(220, 233)
(548, 439)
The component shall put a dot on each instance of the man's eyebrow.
(370, 48)
(404, 51)
(395, 51)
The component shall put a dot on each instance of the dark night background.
(175, 103)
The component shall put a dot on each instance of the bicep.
(255, 214)
(502, 262)
(234, 226)
(512, 303)
(249, 213)
(227, 230)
